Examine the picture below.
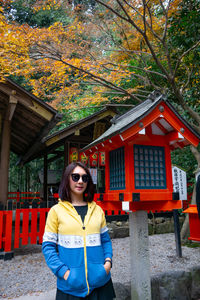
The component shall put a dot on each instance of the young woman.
(76, 243)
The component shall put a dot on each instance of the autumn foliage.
(117, 51)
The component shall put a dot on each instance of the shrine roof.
(81, 132)
(32, 118)
(107, 111)
(136, 114)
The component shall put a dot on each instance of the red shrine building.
(138, 169)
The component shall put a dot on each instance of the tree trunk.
(185, 231)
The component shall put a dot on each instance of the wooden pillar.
(139, 252)
(5, 159)
(5, 149)
(0, 128)
(45, 192)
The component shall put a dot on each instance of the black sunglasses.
(76, 177)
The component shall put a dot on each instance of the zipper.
(85, 258)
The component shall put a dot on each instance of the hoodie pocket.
(97, 275)
(76, 278)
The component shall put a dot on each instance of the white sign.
(179, 182)
(93, 173)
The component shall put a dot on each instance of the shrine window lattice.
(149, 167)
(117, 169)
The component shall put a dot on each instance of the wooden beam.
(39, 109)
(162, 128)
(26, 100)
(19, 138)
(10, 91)
(80, 139)
(178, 125)
(174, 137)
(37, 142)
(0, 128)
(12, 103)
(78, 126)
(33, 122)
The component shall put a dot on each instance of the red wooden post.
(1, 229)
(33, 233)
(17, 228)
(5, 230)
(25, 226)
(8, 231)
(18, 197)
(42, 222)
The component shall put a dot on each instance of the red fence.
(28, 227)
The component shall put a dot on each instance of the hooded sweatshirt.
(70, 244)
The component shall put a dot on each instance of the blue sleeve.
(53, 261)
(105, 238)
(49, 246)
(106, 244)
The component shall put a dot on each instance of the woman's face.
(78, 181)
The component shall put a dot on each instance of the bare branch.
(124, 10)
(144, 17)
(112, 10)
(185, 53)
(165, 11)
(98, 106)
(146, 70)
(132, 51)
(130, 5)
(188, 79)
(120, 16)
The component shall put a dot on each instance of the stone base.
(6, 255)
(179, 285)
(120, 229)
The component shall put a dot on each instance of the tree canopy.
(76, 55)
(83, 54)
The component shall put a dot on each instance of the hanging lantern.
(94, 159)
(83, 158)
(102, 159)
(73, 154)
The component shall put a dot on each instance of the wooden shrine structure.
(138, 174)
(68, 142)
(137, 147)
(24, 121)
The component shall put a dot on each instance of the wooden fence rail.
(23, 200)
(28, 225)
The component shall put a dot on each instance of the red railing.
(19, 195)
(29, 223)
(29, 227)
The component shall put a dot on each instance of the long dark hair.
(64, 188)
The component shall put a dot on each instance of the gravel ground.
(27, 271)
